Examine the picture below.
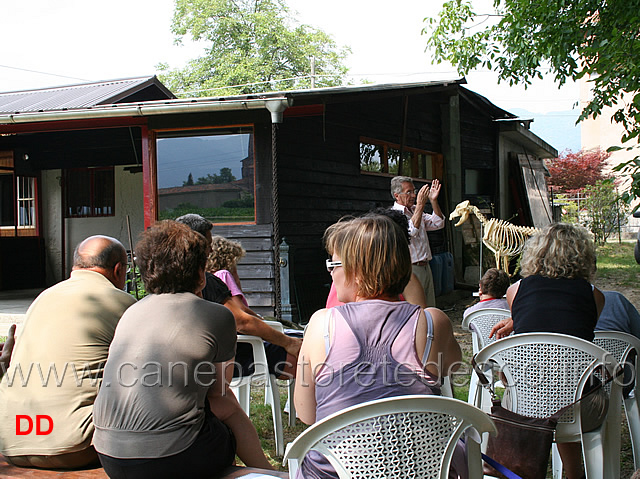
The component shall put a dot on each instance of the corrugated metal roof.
(85, 95)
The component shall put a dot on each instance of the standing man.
(412, 202)
(58, 361)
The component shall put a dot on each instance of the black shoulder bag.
(521, 448)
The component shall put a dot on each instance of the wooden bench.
(8, 471)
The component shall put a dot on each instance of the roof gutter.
(147, 109)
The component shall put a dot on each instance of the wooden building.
(289, 164)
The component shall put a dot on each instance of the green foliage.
(570, 213)
(215, 215)
(250, 44)
(570, 39)
(605, 210)
(225, 176)
(245, 201)
(632, 169)
(134, 284)
(370, 157)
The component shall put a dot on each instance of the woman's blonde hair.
(224, 254)
(374, 253)
(560, 250)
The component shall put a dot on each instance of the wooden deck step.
(11, 472)
(8, 471)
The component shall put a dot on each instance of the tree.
(250, 44)
(604, 211)
(572, 172)
(189, 181)
(572, 39)
(225, 176)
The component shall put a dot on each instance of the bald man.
(47, 394)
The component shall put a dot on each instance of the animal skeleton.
(504, 239)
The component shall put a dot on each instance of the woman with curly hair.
(555, 295)
(222, 262)
(282, 350)
(558, 265)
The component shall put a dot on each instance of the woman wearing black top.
(556, 296)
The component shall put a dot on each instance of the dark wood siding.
(320, 179)
(478, 135)
(256, 268)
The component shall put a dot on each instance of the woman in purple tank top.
(354, 353)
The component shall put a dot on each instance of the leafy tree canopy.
(522, 39)
(225, 176)
(572, 172)
(571, 39)
(249, 45)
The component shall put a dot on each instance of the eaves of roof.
(187, 105)
(79, 96)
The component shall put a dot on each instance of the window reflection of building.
(378, 156)
(209, 172)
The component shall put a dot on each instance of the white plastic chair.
(546, 371)
(395, 438)
(291, 383)
(480, 323)
(241, 387)
(620, 345)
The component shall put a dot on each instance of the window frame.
(184, 132)
(437, 165)
(92, 192)
(7, 167)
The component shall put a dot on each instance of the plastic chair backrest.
(618, 343)
(480, 323)
(546, 371)
(398, 437)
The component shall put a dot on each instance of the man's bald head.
(104, 255)
(99, 252)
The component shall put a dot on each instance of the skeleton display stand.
(504, 239)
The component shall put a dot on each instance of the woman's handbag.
(521, 448)
(523, 443)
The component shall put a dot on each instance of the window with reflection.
(208, 172)
(378, 156)
(89, 192)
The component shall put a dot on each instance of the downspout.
(63, 232)
(276, 108)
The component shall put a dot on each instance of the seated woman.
(165, 408)
(223, 261)
(374, 333)
(413, 292)
(556, 296)
(281, 350)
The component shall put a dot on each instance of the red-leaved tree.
(571, 172)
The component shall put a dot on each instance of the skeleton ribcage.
(505, 238)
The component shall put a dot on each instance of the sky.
(73, 41)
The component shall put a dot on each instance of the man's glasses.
(332, 264)
(412, 192)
